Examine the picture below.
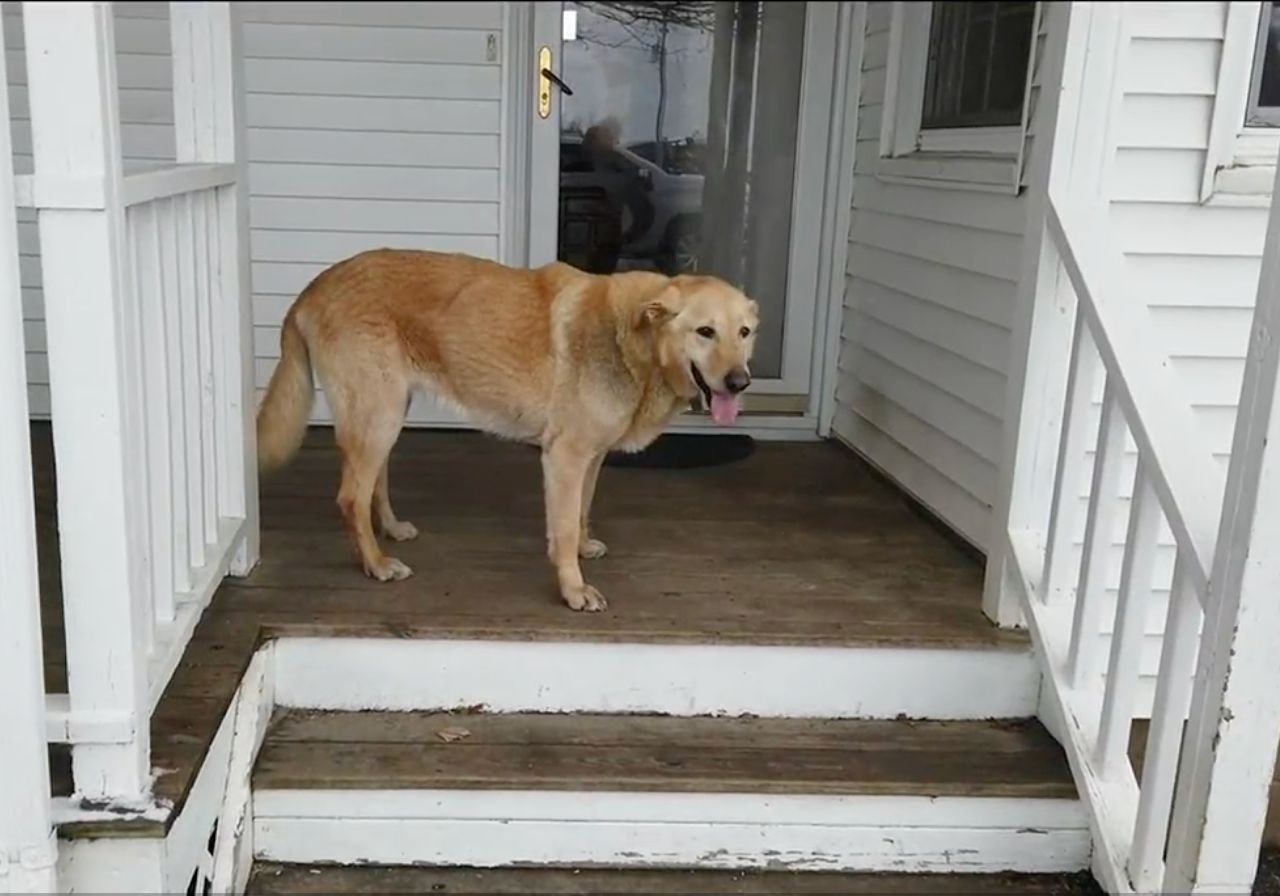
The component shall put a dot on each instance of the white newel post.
(1229, 749)
(70, 52)
(209, 126)
(27, 843)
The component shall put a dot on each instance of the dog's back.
(473, 332)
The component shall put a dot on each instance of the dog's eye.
(706, 332)
(744, 332)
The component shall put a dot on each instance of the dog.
(576, 363)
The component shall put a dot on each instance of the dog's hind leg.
(366, 430)
(590, 548)
(396, 530)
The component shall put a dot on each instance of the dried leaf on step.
(453, 735)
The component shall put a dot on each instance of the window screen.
(977, 64)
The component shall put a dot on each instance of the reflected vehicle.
(622, 211)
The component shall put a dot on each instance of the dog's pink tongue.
(725, 407)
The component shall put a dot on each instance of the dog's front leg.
(565, 466)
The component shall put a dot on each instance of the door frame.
(788, 407)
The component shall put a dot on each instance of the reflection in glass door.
(679, 130)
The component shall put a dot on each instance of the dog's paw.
(586, 599)
(389, 570)
(401, 531)
(592, 548)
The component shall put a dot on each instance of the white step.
(482, 790)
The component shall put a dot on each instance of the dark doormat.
(678, 451)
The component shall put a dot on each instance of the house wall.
(932, 273)
(929, 296)
(369, 125)
(1197, 265)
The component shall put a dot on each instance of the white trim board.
(1240, 162)
(672, 679)
(846, 104)
(559, 828)
(220, 791)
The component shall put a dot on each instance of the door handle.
(548, 73)
(546, 77)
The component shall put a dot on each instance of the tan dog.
(576, 363)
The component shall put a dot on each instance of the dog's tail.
(282, 418)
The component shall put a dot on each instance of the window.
(976, 73)
(1264, 87)
(955, 93)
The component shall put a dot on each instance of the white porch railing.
(147, 310)
(1193, 823)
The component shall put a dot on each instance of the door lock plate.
(544, 83)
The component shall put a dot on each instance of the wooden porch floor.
(798, 544)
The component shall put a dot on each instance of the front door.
(690, 137)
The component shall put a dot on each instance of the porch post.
(1229, 749)
(27, 844)
(208, 99)
(1076, 73)
(78, 185)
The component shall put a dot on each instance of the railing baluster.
(140, 422)
(220, 314)
(1126, 639)
(208, 401)
(1072, 457)
(1164, 738)
(171, 299)
(155, 359)
(1091, 587)
(188, 300)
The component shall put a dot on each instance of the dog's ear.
(661, 306)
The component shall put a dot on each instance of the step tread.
(308, 749)
(327, 879)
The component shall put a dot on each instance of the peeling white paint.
(645, 830)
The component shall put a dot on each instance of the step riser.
(681, 680)
(626, 830)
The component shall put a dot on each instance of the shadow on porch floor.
(798, 544)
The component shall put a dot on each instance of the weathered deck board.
(798, 544)
(314, 879)
(376, 750)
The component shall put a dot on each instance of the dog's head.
(705, 332)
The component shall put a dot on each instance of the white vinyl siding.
(1195, 265)
(369, 125)
(929, 297)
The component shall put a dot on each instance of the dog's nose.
(737, 380)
